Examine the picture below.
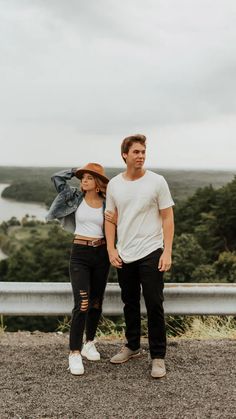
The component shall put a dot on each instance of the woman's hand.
(111, 216)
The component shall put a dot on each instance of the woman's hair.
(99, 184)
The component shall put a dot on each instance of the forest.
(33, 184)
(204, 246)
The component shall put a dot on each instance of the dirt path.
(35, 383)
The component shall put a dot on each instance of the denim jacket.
(67, 201)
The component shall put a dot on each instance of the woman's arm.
(60, 178)
(111, 216)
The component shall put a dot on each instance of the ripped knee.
(96, 303)
(83, 301)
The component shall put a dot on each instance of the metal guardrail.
(52, 299)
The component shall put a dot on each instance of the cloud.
(106, 68)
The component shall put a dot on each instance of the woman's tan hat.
(94, 169)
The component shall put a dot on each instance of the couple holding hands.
(128, 222)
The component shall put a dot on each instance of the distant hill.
(34, 184)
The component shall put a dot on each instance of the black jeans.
(131, 276)
(89, 268)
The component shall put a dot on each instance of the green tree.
(188, 212)
(41, 260)
(205, 273)
(225, 212)
(225, 267)
(210, 215)
(187, 255)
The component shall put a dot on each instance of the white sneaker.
(90, 352)
(75, 364)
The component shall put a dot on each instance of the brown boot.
(158, 368)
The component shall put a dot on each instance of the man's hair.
(129, 141)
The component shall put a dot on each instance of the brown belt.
(93, 243)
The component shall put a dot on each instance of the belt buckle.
(95, 241)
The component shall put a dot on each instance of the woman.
(82, 212)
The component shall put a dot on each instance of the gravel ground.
(35, 383)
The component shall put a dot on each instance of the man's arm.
(167, 216)
(110, 228)
(110, 232)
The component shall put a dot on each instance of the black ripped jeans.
(144, 272)
(89, 268)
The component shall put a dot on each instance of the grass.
(64, 325)
(183, 327)
(178, 327)
(2, 326)
(210, 327)
(109, 329)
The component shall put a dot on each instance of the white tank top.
(89, 221)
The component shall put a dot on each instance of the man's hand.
(111, 216)
(114, 258)
(165, 261)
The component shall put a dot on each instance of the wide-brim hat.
(94, 169)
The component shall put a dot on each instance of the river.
(10, 208)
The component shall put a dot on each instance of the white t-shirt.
(89, 221)
(139, 225)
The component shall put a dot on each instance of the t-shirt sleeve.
(110, 202)
(164, 196)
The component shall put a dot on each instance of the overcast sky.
(76, 77)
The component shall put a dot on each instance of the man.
(144, 218)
